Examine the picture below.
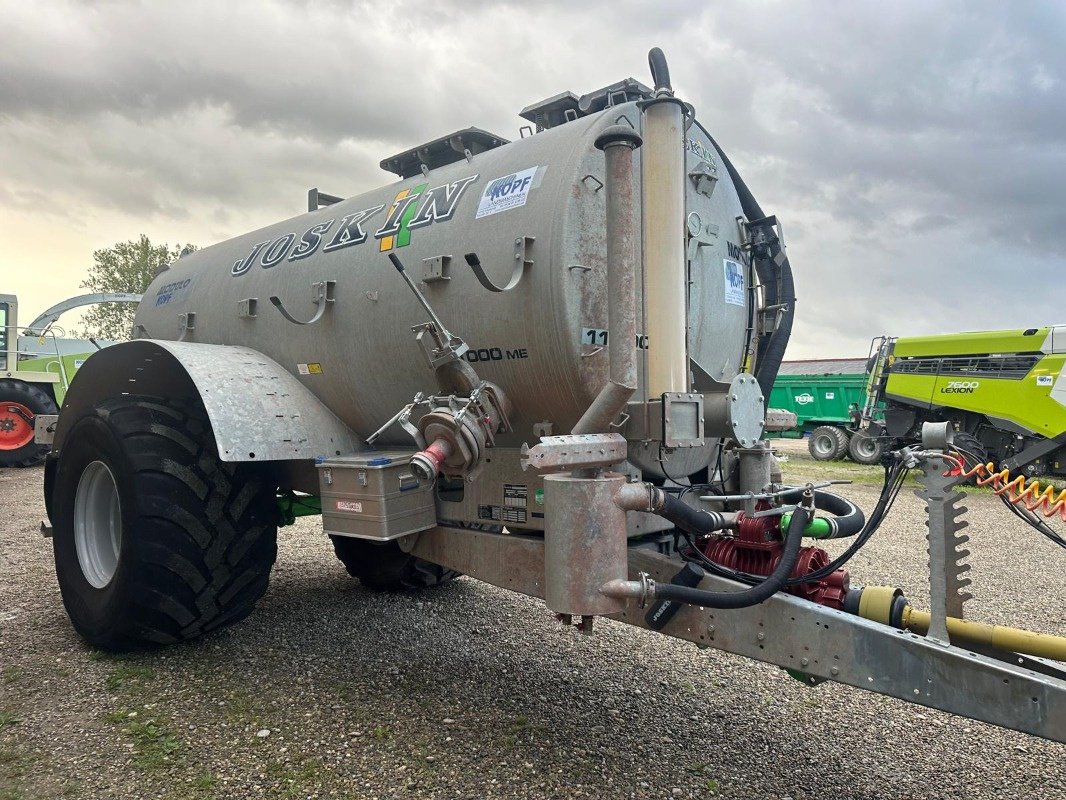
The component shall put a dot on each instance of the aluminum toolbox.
(374, 496)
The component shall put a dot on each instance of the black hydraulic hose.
(660, 72)
(777, 279)
(774, 582)
(847, 519)
(683, 516)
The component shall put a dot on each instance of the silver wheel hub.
(97, 524)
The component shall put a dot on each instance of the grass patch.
(381, 732)
(241, 708)
(10, 675)
(12, 764)
(520, 729)
(126, 675)
(297, 779)
(154, 745)
(7, 719)
(205, 781)
(117, 717)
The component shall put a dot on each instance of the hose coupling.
(426, 464)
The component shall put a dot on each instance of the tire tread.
(206, 529)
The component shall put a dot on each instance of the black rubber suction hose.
(691, 520)
(774, 582)
(660, 72)
(847, 519)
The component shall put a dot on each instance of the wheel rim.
(823, 444)
(867, 448)
(16, 428)
(97, 524)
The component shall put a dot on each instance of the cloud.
(914, 152)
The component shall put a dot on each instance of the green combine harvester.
(1002, 390)
(36, 367)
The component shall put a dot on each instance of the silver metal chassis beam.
(820, 642)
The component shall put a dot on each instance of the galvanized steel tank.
(538, 199)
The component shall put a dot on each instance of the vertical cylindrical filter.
(664, 247)
(584, 543)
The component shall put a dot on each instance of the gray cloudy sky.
(916, 152)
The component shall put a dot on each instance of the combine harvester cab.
(540, 363)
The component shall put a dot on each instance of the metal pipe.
(665, 281)
(618, 143)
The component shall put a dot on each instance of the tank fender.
(258, 410)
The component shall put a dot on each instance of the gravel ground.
(471, 692)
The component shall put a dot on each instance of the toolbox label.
(351, 506)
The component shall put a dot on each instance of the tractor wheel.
(20, 402)
(972, 452)
(865, 449)
(385, 567)
(156, 539)
(827, 443)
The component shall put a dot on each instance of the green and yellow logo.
(416, 207)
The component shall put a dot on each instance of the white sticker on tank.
(505, 193)
(350, 506)
(734, 281)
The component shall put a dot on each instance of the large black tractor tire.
(865, 449)
(827, 443)
(385, 567)
(156, 539)
(20, 402)
(972, 451)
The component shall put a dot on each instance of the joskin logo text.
(412, 208)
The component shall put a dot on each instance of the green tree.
(124, 267)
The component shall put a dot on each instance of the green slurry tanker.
(1002, 390)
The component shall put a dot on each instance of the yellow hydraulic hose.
(1000, 637)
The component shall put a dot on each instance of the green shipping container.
(819, 392)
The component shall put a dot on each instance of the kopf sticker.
(505, 193)
(734, 282)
